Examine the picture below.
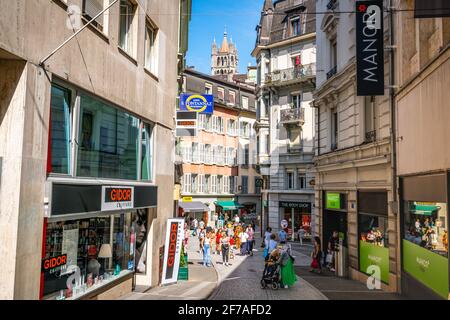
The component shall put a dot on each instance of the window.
(207, 184)
(232, 184)
(221, 93)
(267, 146)
(334, 129)
(296, 101)
(244, 185)
(187, 183)
(213, 184)
(301, 180)
(333, 54)
(60, 131)
(87, 237)
(219, 184)
(107, 141)
(245, 129)
(258, 185)
(127, 14)
(226, 184)
(194, 188)
(369, 118)
(208, 154)
(201, 153)
(219, 155)
(295, 26)
(150, 48)
(232, 97)
(244, 102)
(289, 180)
(91, 8)
(195, 152)
(246, 155)
(147, 151)
(208, 88)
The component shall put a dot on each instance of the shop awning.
(194, 206)
(229, 205)
(425, 210)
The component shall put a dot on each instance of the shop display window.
(373, 229)
(97, 249)
(301, 220)
(425, 224)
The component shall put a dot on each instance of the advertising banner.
(200, 103)
(374, 255)
(174, 241)
(369, 48)
(428, 267)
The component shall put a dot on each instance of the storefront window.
(108, 141)
(60, 130)
(97, 249)
(425, 224)
(300, 218)
(373, 230)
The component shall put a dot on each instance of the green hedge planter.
(183, 272)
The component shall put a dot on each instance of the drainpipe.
(395, 204)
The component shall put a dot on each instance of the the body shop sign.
(369, 48)
(374, 255)
(174, 240)
(117, 198)
(428, 267)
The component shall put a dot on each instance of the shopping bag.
(314, 264)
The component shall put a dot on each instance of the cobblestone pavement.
(241, 280)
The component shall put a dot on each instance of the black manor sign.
(369, 48)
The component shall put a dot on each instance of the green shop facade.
(424, 224)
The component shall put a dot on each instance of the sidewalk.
(202, 282)
(331, 286)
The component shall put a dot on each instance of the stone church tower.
(224, 60)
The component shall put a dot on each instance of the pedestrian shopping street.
(241, 280)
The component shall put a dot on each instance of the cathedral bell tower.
(224, 60)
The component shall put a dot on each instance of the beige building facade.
(85, 144)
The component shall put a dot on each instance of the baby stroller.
(271, 275)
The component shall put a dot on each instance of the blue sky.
(209, 18)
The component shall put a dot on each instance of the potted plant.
(183, 272)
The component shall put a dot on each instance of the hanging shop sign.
(53, 264)
(186, 124)
(333, 200)
(430, 268)
(374, 255)
(174, 241)
(200, 103)
(296, 205)
(116, 198)
(369, 48)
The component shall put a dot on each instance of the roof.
(224, 48)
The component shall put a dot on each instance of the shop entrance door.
(335, 221)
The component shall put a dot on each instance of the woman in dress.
(316, 256)
(288, 277)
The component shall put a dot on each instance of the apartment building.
(216, 162)
(353, 194)
(286, 69)
(86, 173)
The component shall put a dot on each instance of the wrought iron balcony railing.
(300, 73)
(288, 116)
(332, 72)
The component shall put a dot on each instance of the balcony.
(292, 116)
(293, 75)
(332, 72)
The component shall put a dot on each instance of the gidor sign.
(369, 48)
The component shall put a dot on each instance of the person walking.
(201, 224)
(201, 238)
(207, 250)
(250, 232)
(316, 256)
(272, 243)
(301, 235)
(267, 235)
(282, 235)
(333, 247)
(288, 277)
(218, 237)
(225, 243)
(195, 225)
(243, 238)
